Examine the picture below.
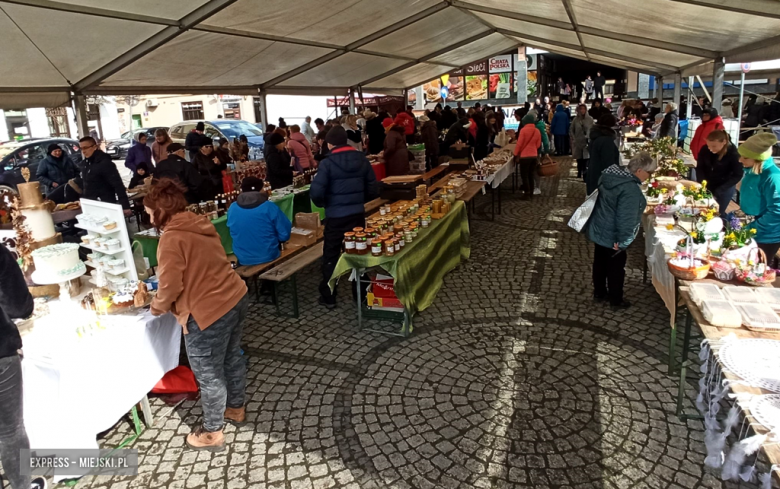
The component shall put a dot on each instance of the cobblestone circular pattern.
(492, 406)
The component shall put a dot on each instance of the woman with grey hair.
(669, 125)
(614, 225)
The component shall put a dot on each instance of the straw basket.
(548, 167)
(696, 273)
(749, 275)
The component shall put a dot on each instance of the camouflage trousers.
(219, 367)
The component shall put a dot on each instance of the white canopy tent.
(53, 50)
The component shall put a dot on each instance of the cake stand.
(63, 281)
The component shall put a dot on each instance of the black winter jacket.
(344, 182)
(721, 174)
(177, 168)
(102, 181)
(193, 142)
(15, 302)
(603, 154)
(52, 170)
(669, 126)
(279, 173)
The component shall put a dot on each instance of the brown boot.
(201, 439)
(236, 416)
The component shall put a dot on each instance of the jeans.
(599, 93)
(335, 227)
(13, 437)
(582, 167)
(219, 367)
(609, 273)
(723, 198)
(527, 169)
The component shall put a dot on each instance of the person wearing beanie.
(194, 140)
(603, 150)
(527, 153)
(257, 225)
(344, 182)
(278, 162)
(209, 165)
(759, 195)
(139, 153)
(56, 169)
(375, 133)
(141, 173)
(407, 122)
(396, 153)
(177, 168)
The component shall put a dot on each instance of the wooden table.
(714, 334)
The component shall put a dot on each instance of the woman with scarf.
(160, 145)
(56, 169)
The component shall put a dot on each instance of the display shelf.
(99, 230)
(114, 213)
(103, 250)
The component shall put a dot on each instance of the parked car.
(16, 155)
(118, 148)
(223, 129)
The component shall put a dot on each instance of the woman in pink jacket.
(529, 140)
(300, 149)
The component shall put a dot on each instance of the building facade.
(166, 110)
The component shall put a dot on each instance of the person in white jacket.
(727, 108)
(307, 130)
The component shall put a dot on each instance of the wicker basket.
(548, 167)
(697, 273)
(743, 274)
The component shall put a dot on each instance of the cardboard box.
(306, 230)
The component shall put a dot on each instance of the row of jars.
(362, 241)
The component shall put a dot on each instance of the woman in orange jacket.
(526, 152)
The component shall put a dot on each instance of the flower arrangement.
(737, 236)
(633, 122)
(707, 215)
(654, 189)
(696, 194)
(666, 153)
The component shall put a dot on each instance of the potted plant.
(737, 240)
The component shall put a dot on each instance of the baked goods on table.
(57, 260)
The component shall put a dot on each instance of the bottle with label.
(349, 243)
(361, 247)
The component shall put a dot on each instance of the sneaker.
(328, 305)
(39, 483)
(622, 305)
(201, 439)
(236, 416)
(537, 191)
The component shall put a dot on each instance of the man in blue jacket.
(344, 182)
(256, 225)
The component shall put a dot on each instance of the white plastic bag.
(502, 139)
(582, 215)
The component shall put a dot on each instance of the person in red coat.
(710, 121)
(526, 150)
(407, 122)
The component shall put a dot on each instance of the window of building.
(192, 110)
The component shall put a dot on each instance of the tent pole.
(718, 74)
(741, 101)
(677, 88)
(522, 76)
(689, 105)
(351, 101)
(263, 110)
(81, 115)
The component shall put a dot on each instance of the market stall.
(415, 251)
(740, 358)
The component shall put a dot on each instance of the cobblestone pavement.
(513, 378)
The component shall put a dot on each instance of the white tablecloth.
(659, 244)
(502, 173)
(76, 387)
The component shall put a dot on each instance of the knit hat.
(251, 184)
(528, 119)
(387, 122)
(337, 136)
(51, 148)
(607, 120)
(207, 141)
(200, 126)
(758, 147)
(275, 138)
(423, 118)
(174, 147)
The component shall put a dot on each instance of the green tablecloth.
(286, 204)
(420, 267)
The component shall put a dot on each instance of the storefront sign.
(501, 64)
(478, 68)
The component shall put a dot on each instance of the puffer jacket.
(560, 121)
(279, 172)
(138, 153)
(301, 149)
(700, 136)
(618, 209)
(760, 196)
(603, 154)
(51, 170)
(669, 125)
(528, 140)
(344, 182)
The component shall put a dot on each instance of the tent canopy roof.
(52, 48)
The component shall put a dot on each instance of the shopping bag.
(138, 260)
(581, 216)
(502, 139)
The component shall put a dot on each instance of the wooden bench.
(252, 272)
(436, 172)
(288, 270)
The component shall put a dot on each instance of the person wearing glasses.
(101, 177)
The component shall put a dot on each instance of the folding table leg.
(684, 362)
(672, 348)
(147, 410)
(276, 298)
(294, 295)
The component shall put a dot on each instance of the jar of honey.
(414, 231)
(349, 243)
(396, 244)
(361, 247)
(408, 234)
(370, 236)
(357, 230)
(390, 247)
(376, 247)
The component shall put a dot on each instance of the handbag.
(548, 167)
(579, 220)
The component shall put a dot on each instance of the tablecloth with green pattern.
(420, 267)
